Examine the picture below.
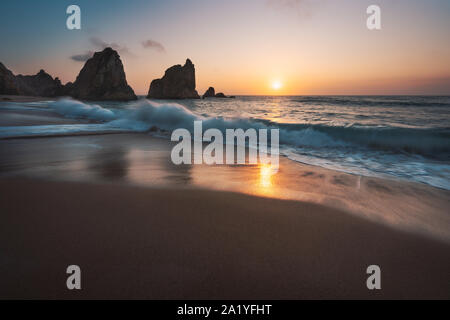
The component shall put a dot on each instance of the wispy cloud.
(100, 44)
(152, 44)
(82, 57)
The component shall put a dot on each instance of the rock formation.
(41, 84)
(8, 83)
(221, 95)
(178, 82)
(102, 78)
(211, 93)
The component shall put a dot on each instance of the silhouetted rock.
(222, 95)
(102, 78)
(8, 83)
(40, 84)
(210, 93)
(68, 87)
(178, 82)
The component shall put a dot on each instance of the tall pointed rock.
(178, 82)
(102, 78)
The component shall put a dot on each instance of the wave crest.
(144, 114)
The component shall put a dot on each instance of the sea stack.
(221, 95)
(102, 78)
(178, 82)
(210, 93)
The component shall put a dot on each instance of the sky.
(254, 47)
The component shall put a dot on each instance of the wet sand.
(134, 242)
(143, 160)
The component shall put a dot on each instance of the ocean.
(403, 137)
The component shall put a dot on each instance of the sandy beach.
(134, 242)
(141, 227)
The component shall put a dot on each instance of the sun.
(277, 85)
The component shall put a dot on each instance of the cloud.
(82, 57)
(100, 44)
(151, 44)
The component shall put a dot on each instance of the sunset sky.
(241, 47)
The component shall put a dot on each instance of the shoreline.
(142, 160)
(55, 118)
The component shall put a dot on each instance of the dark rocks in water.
(178, 82)
(220, 95)
(41, 84)
(210, 93)
(8, 83)
(102, 78)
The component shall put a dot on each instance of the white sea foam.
(76, 109)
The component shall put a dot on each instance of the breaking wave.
(145, 114)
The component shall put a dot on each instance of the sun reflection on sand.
(266, 185)
(265, 175)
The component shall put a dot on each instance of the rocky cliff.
(8, 83)
(178, 82)
(102, 78)
(41, 84)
